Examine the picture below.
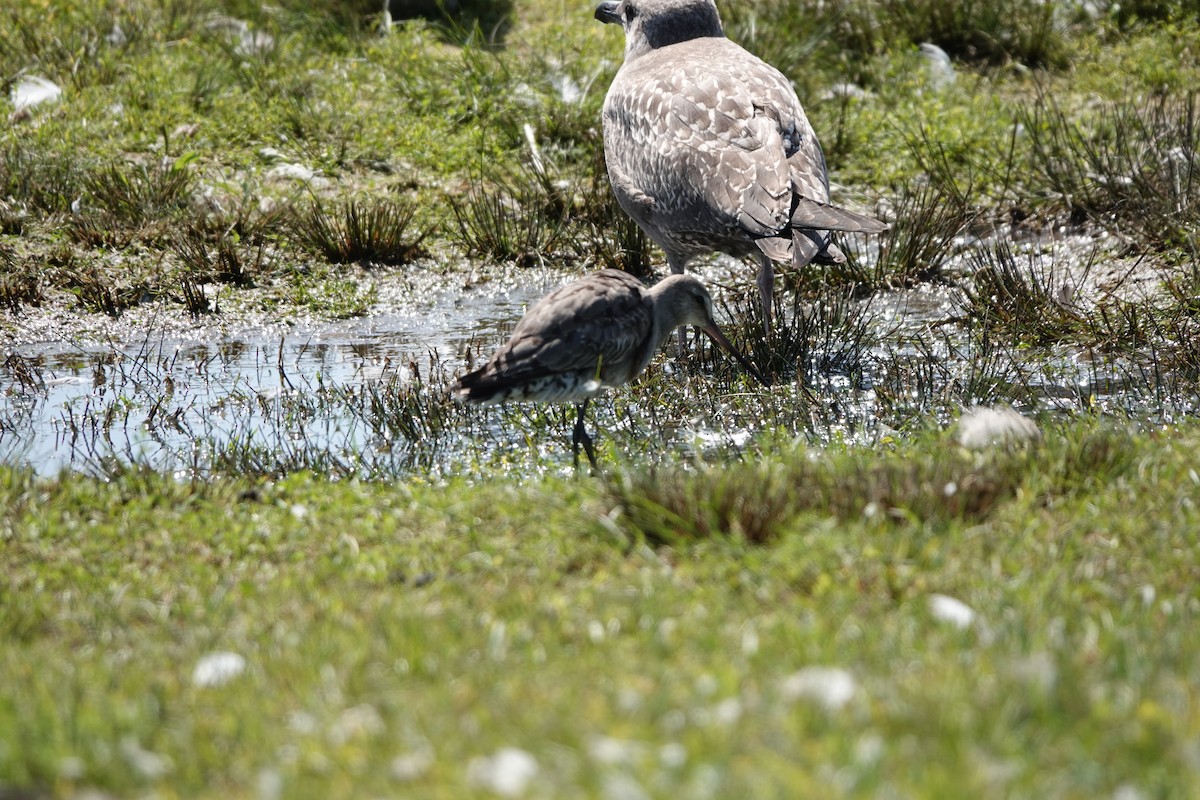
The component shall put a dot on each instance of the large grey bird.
(599, 331)
(708, 147)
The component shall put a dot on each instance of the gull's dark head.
(650, 24)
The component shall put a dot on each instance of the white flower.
(948, 609)
(217, 669)
(413, 764)
(829, 687)
(506, 773)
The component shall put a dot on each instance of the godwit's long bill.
(597, 332)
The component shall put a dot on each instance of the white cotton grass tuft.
(507, 772)
(218, 669)
(829, 687)
(981, 427)
(33, 90)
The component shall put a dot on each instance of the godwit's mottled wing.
(587, 333)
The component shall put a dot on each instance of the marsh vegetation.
(244, 248)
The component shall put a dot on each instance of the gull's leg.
(766, 291)
(580, 436)
(678, 264)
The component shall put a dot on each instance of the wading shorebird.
(594, 333)
(708, 147)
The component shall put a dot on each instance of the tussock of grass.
(95, 292)
(915, 249)
(20, 285)
(412, 412)
(129, 202)
(369, 231)
(45, 182)
(824, 332)
(931, 484)
(761, 502)
(518, 216)
(1131, 168)
(227, 260)
(1022, 296)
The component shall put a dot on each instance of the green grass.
(453, 619)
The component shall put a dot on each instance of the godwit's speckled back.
(601, 330)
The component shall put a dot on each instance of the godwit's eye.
(630, 13)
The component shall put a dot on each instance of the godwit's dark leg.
(678, 265)
(580, 436)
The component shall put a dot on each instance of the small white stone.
(948, 609)
(252, 43)
(302, 722)
(116, 37)
(868, 749)
(829, 687)
(217, 669)
(295, 172)
(498, 641)
(1037, 670)
(34, 90)
(508, 772)
(941, 68)
(845, 90)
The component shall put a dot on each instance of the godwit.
(597, 332)
(708, 147)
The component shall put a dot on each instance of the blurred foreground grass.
(397, 637)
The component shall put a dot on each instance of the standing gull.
(599, 331)
(708, 147)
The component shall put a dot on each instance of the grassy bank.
(621, 631)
